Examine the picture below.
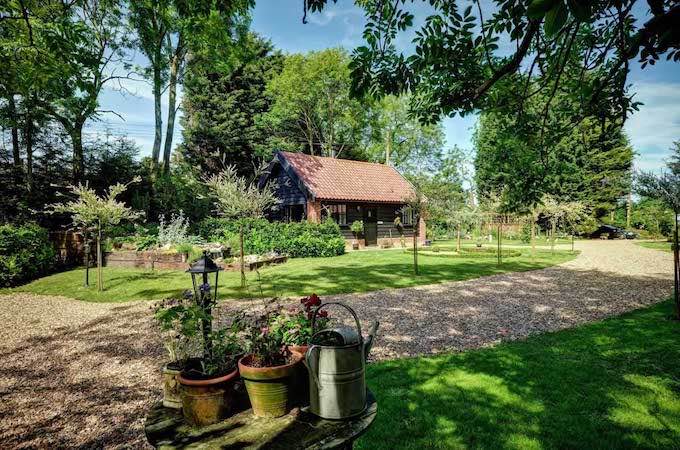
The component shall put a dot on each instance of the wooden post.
(499, 232)
(415, 251)
(100, 281)
(533, 237)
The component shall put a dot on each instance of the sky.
(652, 130)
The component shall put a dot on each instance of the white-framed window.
(407, 216)
(338, 213)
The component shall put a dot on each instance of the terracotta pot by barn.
(208, 401)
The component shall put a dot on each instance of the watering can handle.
(356, 319)
(312, 368)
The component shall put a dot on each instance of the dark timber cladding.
(313, 188)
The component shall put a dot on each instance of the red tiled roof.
(344, 179)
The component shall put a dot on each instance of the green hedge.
(25, 253)
(296, 239)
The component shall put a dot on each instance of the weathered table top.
(165, 429)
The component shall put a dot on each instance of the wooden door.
(371, 226)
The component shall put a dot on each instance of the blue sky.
(651, 131)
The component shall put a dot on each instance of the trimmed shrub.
(25, 253)
(296, 239)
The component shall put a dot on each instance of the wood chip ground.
(83, 374)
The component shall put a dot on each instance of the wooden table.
(166, 429)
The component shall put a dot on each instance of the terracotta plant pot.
(205, 402)
(271, 389)
(171, 387)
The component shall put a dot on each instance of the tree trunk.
(629, 209)
(172, 98)
(553, 226)
(458, 243)
(242, 257)
(100, 281)
(533, 238)
(158, 119)
(28, 144)
(78, 158)
(16, 150)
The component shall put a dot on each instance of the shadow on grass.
(613, 384)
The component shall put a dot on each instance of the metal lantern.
(203, 267)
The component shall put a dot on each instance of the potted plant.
(357, 228)
(295, 323)
(176, 345)
(270, 368)
(206, 379)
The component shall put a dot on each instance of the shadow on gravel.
(87, 386)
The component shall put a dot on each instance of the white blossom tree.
(89, 210)
(238, 199)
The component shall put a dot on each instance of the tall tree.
(540, 35)
(222, 109)
(312, 110)
(167, 30)
(398, 139)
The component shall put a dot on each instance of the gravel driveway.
(83, 374)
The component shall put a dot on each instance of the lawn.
(656, 245)
(614, 384)
(353, 272)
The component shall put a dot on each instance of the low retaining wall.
(146, 260)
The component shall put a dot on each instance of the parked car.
(612, 232)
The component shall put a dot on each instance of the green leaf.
(580, 9)
(538, 8)
(555, 19)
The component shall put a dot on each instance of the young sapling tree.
(89, 210)
(238, 199)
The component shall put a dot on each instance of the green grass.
(613, 384)
(353, 272)
(658, 245)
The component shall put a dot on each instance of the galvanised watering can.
(336, 361)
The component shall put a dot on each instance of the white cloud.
(653, 129)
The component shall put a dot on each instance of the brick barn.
(314, 187)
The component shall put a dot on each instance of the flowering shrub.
(295, 323)
(276, 327)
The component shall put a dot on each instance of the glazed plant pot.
(171, 387)
(271, 389)
(208, 401)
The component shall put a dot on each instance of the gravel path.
(83, 374)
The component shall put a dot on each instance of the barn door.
(371, 226)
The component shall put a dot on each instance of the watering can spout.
(369, 340)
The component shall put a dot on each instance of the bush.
(25, 253)
(297, 239)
